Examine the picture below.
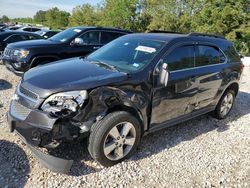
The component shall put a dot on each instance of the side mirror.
(78, 42)
(164, 74)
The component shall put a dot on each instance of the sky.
(28, 8)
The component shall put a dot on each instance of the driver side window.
(91, 38)
(180, 58)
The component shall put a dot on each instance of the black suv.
(7, 37)
(136, 84)
(73, 42)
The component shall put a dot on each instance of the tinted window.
(91, 38)
(208, 55)
(109, 36)
(32, 37)
(50, 34)
(27, 29)
(233, 56)
(180, 58)
(35, 29)
(15, 38)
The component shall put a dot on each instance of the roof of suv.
(103, 28)
(167, 37)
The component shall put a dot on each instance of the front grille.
(8, 52)
(28, 93)
(20, 111)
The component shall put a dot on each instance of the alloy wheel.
(119, 141)
(226, 104)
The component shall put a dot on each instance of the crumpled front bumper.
(36, 127)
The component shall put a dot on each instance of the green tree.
(172, 15)
(120, 13)
(5, 19)
(56, 18)
(40, 16)
(229, 18)
(84, 15)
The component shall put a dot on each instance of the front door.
(92, 42)
(179, 96)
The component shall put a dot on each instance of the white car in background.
(246, 61)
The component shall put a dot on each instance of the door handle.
(96, 47)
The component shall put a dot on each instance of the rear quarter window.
(208, 55)
(231, 53)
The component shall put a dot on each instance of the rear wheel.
(114, 138)
(225, 104)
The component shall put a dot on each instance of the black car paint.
(139, 93)
(44, 51)
(5, 34)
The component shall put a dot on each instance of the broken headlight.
(66, 103)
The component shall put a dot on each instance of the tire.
(219, 113)
(106, 149)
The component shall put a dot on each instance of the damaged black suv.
(134, 85)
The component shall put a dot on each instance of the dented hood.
(68, 75)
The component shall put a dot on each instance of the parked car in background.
(7, 37)
(136, 84)
(12, 28)
(29, 29)
(72, 42)
(246, 60)
(47, 33)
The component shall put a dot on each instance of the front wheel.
(225, 104)
(114, 138)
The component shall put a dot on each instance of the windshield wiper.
(112, 67)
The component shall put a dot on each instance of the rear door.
(108, 36)
(210, 63)
(178, 98)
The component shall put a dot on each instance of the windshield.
(127, 54)
(66, 35)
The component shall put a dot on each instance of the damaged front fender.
(103, 100)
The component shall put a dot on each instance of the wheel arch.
(35, 61)
(134, 112)
(233, 86)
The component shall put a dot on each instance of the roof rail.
(160, 31)
(205, 35)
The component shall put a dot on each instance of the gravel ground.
(203, 152)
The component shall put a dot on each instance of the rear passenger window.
(208, 55)
(33, 37)
(109, 36)
(180, 58)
